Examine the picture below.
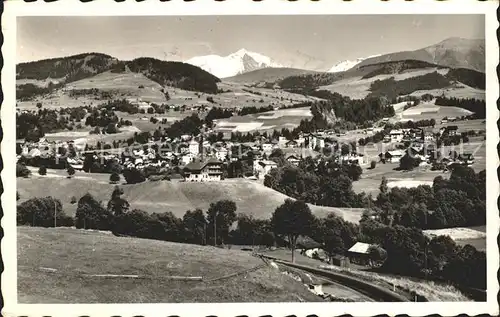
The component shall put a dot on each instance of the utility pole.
(55, 215)
(215, 230)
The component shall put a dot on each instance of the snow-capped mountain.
(348, 64)
(233, 64)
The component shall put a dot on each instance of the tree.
(71, 171)
(336, 234)
(73, 200)
(221, 216)
(114, 178)
(408, 162)
(194, 225)
(133, 176)
(90, 214)
(39, 105)
(373, 164)
(42, 170)
(41, 211)
(117, 205)
(377, 255)
(17, 195)
(291, 219)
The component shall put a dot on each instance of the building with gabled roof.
(207, 171)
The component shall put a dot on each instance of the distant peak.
(241, 51)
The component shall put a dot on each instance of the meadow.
(251, 197)
(64, 265)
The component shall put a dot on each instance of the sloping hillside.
(68, 69)
(250, 197)
(269, 74)
(452, 52)
(43, 77)
(60, 266)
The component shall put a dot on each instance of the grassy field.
(475, 236)
(251, 197)
(371, 178)
(56, 266)
(265, 121)
(358, 88)
(268, 74)
(404, 285)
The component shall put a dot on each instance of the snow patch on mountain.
(233, 64)
(348, 64)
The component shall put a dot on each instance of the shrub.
(114, 178)
(73, 200)
(71, 171)
(373, 164)
(42, 170)
(22, 170)
(133, 176)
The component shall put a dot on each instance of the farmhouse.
(359, 253)
(208, 171)
(392, 156)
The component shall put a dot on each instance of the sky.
(299, 41)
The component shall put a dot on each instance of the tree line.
(459, 201)
(406, 251)
(470, 104)
(325, 183)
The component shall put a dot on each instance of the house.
(392, 156)
(359, 253)
(207, 171)
(267, 147)
(316, 140)
(291, 144)
(451, 130)
(187, 158)
(292, 159)
(429, 136)
(282, 141)
(467, 158)
(194, 147)
(396, 135)
(221, 154)
(263, 167)
(352, 158)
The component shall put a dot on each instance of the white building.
(267, 147)
(221, 154)
(208, 171)
(394, 156)
(187, 158)
(396, 135)
(194, 147)
(262, 168)
(293, 160)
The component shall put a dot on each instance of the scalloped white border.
(268, 7)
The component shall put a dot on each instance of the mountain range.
(233, 64)
(452, 52)
(348, 64)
